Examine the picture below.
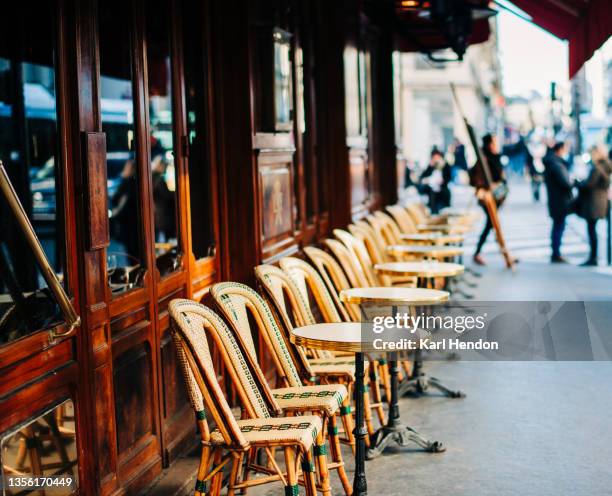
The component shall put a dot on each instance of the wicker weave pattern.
(390, 226)
(402, 218)
(302, 429)
(357, 247)
(189, 320)
(337, 366)
(232, 296)
(195, 396)
(334, 279)
(275, 280)
(327, 398)
(303, 273)
(349, 263)
(231, 347)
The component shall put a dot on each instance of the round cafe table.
(434, 238)
(425, 272)
(424, 251)
(445, 228)
(394, 430)
(343, 336)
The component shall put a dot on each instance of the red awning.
(585, 24)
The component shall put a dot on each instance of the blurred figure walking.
(434, 182)
(592, 203)
(490, 150)
(560, 198)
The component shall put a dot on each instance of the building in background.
(428, 116)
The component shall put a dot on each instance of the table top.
(425, 250)
(343, 336)
(451, 228)
(393, 296)
(456, 212)
(420, 269)
(436, 238)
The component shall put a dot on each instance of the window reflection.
(29, 151)
(194, 63)
(124, 255)
(282, 80)
(46, 446)
(162, 140)
(351, 90)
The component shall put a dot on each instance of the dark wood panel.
(94, 146)
(104, 428)
(18, 375)
(132, 385)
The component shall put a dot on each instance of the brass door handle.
(55, 286)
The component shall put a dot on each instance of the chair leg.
(217, 481)
(233, 480)
(347, 422)
(251, 458)
(320, 450)
(336, 454)
(200, 486)
(308, 471)
(375, 388)
(367, 413)
(386, 380)
(291, 489)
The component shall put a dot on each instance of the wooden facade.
(281, 128)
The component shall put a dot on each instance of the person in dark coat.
(490, 150)
(593, 204)
(434, 182)
(560, 198)
(459, 155)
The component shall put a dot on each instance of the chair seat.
(323, 397)
(301, 430)
(335, 366)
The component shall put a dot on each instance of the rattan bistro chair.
(306, 276)
(406, 222)
(352, 268)
(384, 232)
(333, 273)
(236, 302)
(335, 279)
(390, 226)
(366, 234)
(234, 440)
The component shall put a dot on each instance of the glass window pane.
(282, 80)
(351, 90)
(124, 255)
(29, 150)
(194, 63)
(162, 139)
(46, 446)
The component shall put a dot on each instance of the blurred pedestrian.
(592, 203)
(434, 182)
(560, 198)
(459, 152)
(498, 186)
(535, 175)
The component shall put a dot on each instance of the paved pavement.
(528, 428)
